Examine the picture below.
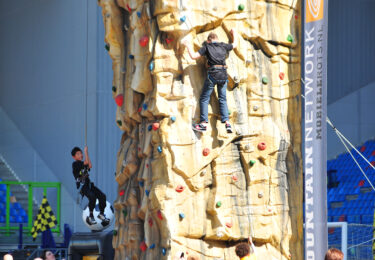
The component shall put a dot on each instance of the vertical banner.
(315, 68)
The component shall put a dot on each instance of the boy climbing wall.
(81, 175)
(216, 52)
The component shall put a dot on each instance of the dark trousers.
(93, 193)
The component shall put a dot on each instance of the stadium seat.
(2, 219)
(3, 187)
(16, 205)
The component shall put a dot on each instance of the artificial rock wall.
(201, 193)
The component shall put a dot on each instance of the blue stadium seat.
(2, 219)
(3, 187)
(13, 212)
(2, 207)
(22, 212)
(12, 219)
(16, 205)
(19, 219)
(24, 219)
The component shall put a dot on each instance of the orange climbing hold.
(144, 41)
(119, 99)
(234, 177)
(228, 224)
(160, 216)
(262, 146)
(180, 188)
(281, 75)
(155, 126)
(206, 151)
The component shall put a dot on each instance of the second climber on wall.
(216, 53)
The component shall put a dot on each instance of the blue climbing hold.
(163, 251)
(131, 56)
(160, 149)
(144, 106)
(183, 19)
(149, 128)
(181, 215)
(139, 14)
(147, 192)
(173, 119)
(152, 246)
(151, 65)
(141, 183)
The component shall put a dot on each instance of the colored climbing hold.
(115, 232)
(119, 122)
(290, 38)
(260, 195)
(281, 75)
(252, 162)
(131, 56)
(229, 112)
(241, 7)
(163, 251)
(218, 204)
(264, 80)
(363, 148)
(228, 224)
(122, 192)
(160, 149)
(181, 215)
(139, 14)
(139, 109)
(143, 41)
(361, 183)
(119, 99)
(128, 7)
(160, 216)
(150, 222)
(206, 151)
(152, 246)
(147, 192)
(180, 188)
(296, 17)
(255, 108)
(155, 126)
(146, 165)
(125, 212)
(143, 246)
(144, 106)
(183, 19)
(149, 128)
(173, 119)
(234, 177)
(151, 65)
(114, 88)
(262, 146)
(107, 47)
(168, 40)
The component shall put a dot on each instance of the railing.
(31, 186)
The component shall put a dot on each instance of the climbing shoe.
(91, 220)
(199, 127)
(228, 127)
(102, 217)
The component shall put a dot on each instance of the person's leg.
(101, 197)
(204, 99)
(92, 201)
(223, 107)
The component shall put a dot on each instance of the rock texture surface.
(181, 191)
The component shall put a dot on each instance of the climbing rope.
(87, 62)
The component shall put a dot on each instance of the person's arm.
(192, 54)
(87, 158)
(234, 37)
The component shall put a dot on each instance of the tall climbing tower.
(199, 194)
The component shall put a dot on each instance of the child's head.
(77, 154)
(242, 250)
(334, 254)
(212, 37)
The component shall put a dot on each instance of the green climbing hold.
(115, 232)
(241, 7)
(264, 80)
(119, 122)
(252, 162)
(290, 38)
(125, 212)
(218, 204)
(106, 47)
(229, 111)
(114, 88)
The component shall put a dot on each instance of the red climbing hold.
(342, 218)
(234, 177)
(361, 183)
(146, 165)
(119, 99)
(206, 151)
(143, 246)
(143, 41)
(168, 41)
(122, 192)
(373, 153)
(139, 109)
(228, 224)
(155, 126)
(128, 7)
(150, 222)
(296, 17)
(262, 146)
(363, 148)
(331, 230)
(180, 188)
(281, 75)
(160, 216)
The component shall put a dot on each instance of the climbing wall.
(201, 193)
